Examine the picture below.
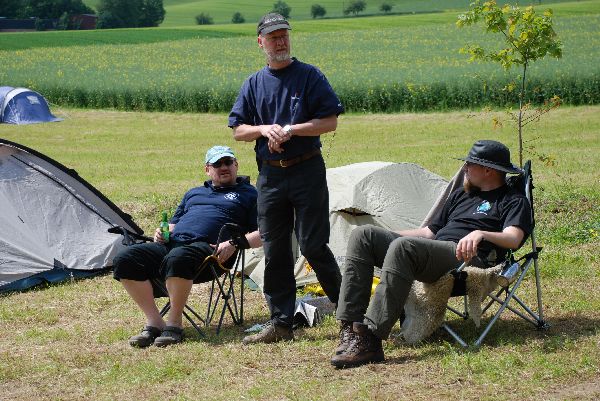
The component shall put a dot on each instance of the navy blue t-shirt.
(292, 95)
(485, 210)
(204, 210)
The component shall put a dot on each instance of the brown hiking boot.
(364, 348)
(346, 336)
(271, 333)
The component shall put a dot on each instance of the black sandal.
(169, 336)
(145, 338)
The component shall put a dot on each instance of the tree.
(53, 9)
(106, 20)
(528, 37)
(152, 13)
(355, 7)
(204, 19)
(12, 8)
(282, 8)
(385, 7)
(317, 10)
(238, 18)
(119, 13)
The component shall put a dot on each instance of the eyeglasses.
(220, 162)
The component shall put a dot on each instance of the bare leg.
(141, 292)
(179, 290)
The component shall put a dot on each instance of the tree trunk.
(520, 123)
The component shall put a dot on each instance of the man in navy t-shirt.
(285, 107)
(194, 229)
(479, 221)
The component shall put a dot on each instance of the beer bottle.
(164, 226)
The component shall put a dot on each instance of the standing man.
(285, 107)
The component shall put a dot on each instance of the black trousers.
(299, 192)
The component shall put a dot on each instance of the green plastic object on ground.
(164, 226)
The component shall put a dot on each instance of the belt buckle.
(281, 163)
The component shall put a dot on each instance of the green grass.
(403, 68)
(182, 12)
(69, 341)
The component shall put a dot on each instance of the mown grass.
(390, 69)
(69, 341)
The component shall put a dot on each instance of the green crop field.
(182, 12)
(392, 68)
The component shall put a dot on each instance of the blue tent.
(23, 106)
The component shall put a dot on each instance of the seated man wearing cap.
(194, 228)
(482, 218)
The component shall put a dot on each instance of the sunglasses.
(220, 162)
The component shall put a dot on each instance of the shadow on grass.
(562, 328)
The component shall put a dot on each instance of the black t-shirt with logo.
(485, 210)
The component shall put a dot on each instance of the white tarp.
(395, 196)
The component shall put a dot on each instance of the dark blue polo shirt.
(291, 95)
(204, 210)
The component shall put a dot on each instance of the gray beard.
(277, 57)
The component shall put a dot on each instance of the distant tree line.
(130, 13)
(111, 13)
(354, 7)
(21, 9)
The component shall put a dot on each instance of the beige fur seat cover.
(425, 307)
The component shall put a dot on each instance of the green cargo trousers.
(402, 260)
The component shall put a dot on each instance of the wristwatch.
(287, 129)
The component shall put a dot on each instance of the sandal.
(169, 336)
(145, 338)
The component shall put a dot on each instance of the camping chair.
(510, 278)
(222, 287)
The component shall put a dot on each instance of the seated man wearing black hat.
(485, 217)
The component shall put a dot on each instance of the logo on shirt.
(231, 196)
(483, 208)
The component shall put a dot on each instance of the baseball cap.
(271, 22)
(217, 152)
(491, 154)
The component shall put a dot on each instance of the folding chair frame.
(505, 295)
(222, 286)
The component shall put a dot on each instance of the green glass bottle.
(164, 226)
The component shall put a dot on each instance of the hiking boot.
(271, 333)
(169, 336)
(364, 348)
(346, 336)
(145, 338)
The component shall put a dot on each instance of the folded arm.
(423, 232)
(510, 238)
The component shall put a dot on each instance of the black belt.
(293, 160)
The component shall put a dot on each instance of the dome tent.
(23, 106)
(54, 223)
(395, 196)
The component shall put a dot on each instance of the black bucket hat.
(271, 22)
(491, 154)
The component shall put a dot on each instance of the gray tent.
(54, 223)
(395, 196)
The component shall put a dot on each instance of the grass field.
(69, 341)
(182, 12)
(380, 67)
